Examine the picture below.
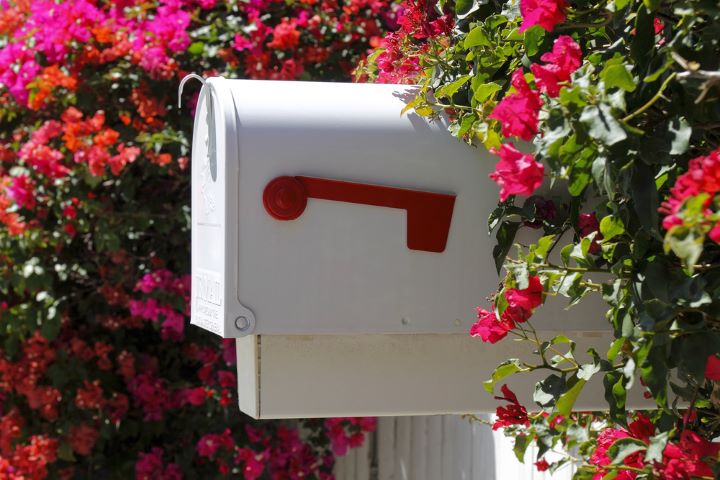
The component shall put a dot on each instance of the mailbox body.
(334, 301)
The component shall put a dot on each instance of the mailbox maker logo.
(207, 304)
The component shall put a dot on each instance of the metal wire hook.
(182, 84)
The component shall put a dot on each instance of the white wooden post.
(441, 447)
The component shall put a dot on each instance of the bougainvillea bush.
(100, 376)
(612, 107)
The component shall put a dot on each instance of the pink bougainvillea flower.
(518, 112)
(565, 54)
(685, 460)
(254, 463)
(511, 414)
(516, 173)
(521, 303)
(193, 396)
(173, 327)
(600, 458)
(22, 191)
(528, 298)
(561, 62)
(547, 79)
(712, 368)
(546, 13)
(714, 233)
(703, 176)
(489, 327)
(209, 444)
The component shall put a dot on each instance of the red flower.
(566, 55)
(512, 413)
(83, 438)
(489, 327)
(69, 212)
(254, 465)
(209, 444)
(516, 173)
(712, 368)
(521, 303)
(226, 379)
(90, 396)
(714, 233)
(642, 428)
(518, 112)
(285, 36)
(703, 176)
(600, 458)
(22, 190)
(546, 13)
(686, 460)
(587, 224)
(194, 396)
(562, 61)
(542, 465)
(10, 429)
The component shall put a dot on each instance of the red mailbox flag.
(428, 214)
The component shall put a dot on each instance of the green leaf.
(463, 8)
(616, 74)
(549, 390)
(410, 105)
(505, 237)
(485, 91)
(522, 442)
(466, 124)
(602, 125)
(65, 452)
(502, 371)
(543, 245)
(476, 38)
(623, 448)
(565, 253)
(644, 40)
(680, 132)
(615, 348)
(615, 394)
(610, 227)
(567, 400)
(652, 360)
(694, 351)
(452, 88)
(196, 48)
(586, 371)
(657, 446)
(533, 38)
(50, 328)
(580, 172)
(645, 196)
(685, 243)
(620, 4)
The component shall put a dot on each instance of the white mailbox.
(345, 246)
